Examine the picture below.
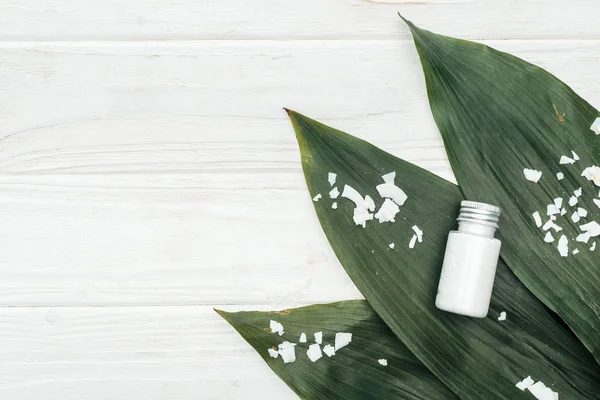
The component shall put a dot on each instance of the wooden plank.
(150, 353)
(292, 19)
(145, 174)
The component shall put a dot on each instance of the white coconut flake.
(537, 219)
(317, 197)
(572, 201)
(532, 175)
(331, 178)
(413, 240)
(391, 191)
(577, 192)
(593, 246)
(387, 212)
(556, 227)
(552, 209)
(582, 212)
(329, 350)
(575, 156)
(502, 316)
(596, 126)
(542, 392)
(389, 177)
(560, 176)
(563, 246)
(342, 339)
(319, 337)
(592, 174)
(362, 205)
(302, 338)
(314, 352)
(383, 362)
(583, 237)
(334, 205)
(575, 217)
(334, 193)
(566, 160)
(418, 232)
(576, 251)
(287, 352)
(392, 245)
(563, 211)
(548, 225)
(596, 202)
(558, 202)
(525, 383)
(548, 238)
(553, 217)
(593, 228)
(276, 327)
(273, 353)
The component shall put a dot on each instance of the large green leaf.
(477, 358)
(354, 371)
(498, 115)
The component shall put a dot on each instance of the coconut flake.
(575, 156)
(548, 225)
(583, 237)
(383, 362)
(319, 337)
(593, 246)
(342, 339)
(537, 219)
(542, 392)
(273, 353)
(413, 240)
(566, 160)
(563, 246)
(329, 350)
(577, 192)
(276, 327)
(302, 338)
(596, 202)
(548, 238)
(576, 251)
(558, 202)
(392, 245)
(391, 191)
(593, 228)
(552, 209)
(314, 352)
(317, 197)
(572, 201)
(502, 316)
(334, 193)
(331, 177)
(525, 383)
(560, 176)
(532, 175)
(362, 206)
(389, 177)
(592, 174)
(287, 352)
(334, 205)
(418, 232)
(553, 217)
(563, 211)
(596, 126)
(575, 217)
(556, 227)
(387, 212)
(582, 212)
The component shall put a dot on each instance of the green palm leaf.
(354, 372)
(499, 115)
(476, 358)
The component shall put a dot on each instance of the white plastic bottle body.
(468, 273)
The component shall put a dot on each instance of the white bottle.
(470, 261)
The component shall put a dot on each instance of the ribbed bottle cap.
(481, 213)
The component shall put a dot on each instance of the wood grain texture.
(147, 171)
(150, 353)
(293, 19)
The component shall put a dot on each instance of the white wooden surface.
(148, 173)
